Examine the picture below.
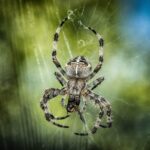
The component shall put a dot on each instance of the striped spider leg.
(104, 106)
(55, 43)
(49, 94)
(95, 83)
(60, 78)
(101, 44)
(63, 82)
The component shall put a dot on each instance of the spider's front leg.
(49, 94)
(101, 59)
(55, 42)
(104, 106)
(101, 45)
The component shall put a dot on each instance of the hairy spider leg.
(82, 110)
(63, 83)
(55, 42)
(60, 78)
(101, 45)
(103, 104)
(95, 83)
(81, 116)
(49, 94)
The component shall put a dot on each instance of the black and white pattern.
(74, 81)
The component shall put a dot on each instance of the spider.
(78, 71)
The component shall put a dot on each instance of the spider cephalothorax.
(78, 67)
(74, 79)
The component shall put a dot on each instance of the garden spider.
(78, 71)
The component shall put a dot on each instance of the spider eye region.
(78, 67)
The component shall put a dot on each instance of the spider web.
(125, 65)
(81, 43)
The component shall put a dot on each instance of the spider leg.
(62, 82)
(104, 105)
(55, 42)
(93, 130)
(95, 83)
(60, 78)
(101, 44)
(49, 94)
(63, 102)
(82, 111)
(81, 116)
(84, 106)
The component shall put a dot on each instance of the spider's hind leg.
(50, 116)
(80, 112)
(81, 116)
(49, 94)
(104, 105)
(109, 118)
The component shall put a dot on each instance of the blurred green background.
(26, 70)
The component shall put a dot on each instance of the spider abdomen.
(75, 87)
